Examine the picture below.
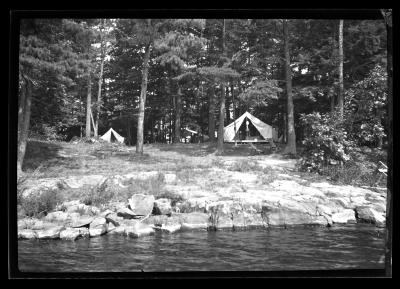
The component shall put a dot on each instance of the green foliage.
(37, 205)
(260, 93)
(366, 108)
(325, 140)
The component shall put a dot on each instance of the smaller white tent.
(107, 136)
(267, 131)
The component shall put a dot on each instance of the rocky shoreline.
(317, 204)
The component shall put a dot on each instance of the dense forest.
(321, 83)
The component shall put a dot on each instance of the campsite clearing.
(244, 188)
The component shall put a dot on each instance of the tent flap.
(267, 131)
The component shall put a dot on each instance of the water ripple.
(277, 249)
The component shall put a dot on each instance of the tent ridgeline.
(267, 131)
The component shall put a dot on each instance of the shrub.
(46, 132)
(98, 195)
(325, 140)
(268, 175)
(36, 205)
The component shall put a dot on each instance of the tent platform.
(249, 141)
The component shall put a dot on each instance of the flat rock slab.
(139, 230)
(53, 233)
(170, 228)
(82, 222)
(73, 233)
(27, 234)
(142, 204)
(343, 217)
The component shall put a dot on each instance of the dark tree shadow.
(39, 153)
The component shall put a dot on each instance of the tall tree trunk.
(291, 144)
(96, 128)
(389, 200)
(341, 85)
(285, 127)
(88, 104)
(24, 116)
(332, 98)
(211, 114)
(233, 111)
(220, 146)
(227, 107)
(142, 100)
(128, 130)
(178, 113)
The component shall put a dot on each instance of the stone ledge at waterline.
(286, 204)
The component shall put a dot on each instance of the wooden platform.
(249, 141)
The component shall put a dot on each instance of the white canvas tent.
(107, 136)
(266, 131)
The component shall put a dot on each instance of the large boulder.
(98, 227)
(162, 206)
(141, 204)
(51, 233)
(369, 215)
(26, 234)
(343, 217)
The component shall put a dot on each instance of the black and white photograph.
(254, 144)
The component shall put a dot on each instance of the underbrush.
(245, 166)
(354, 173)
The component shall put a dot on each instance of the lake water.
(358, 246)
